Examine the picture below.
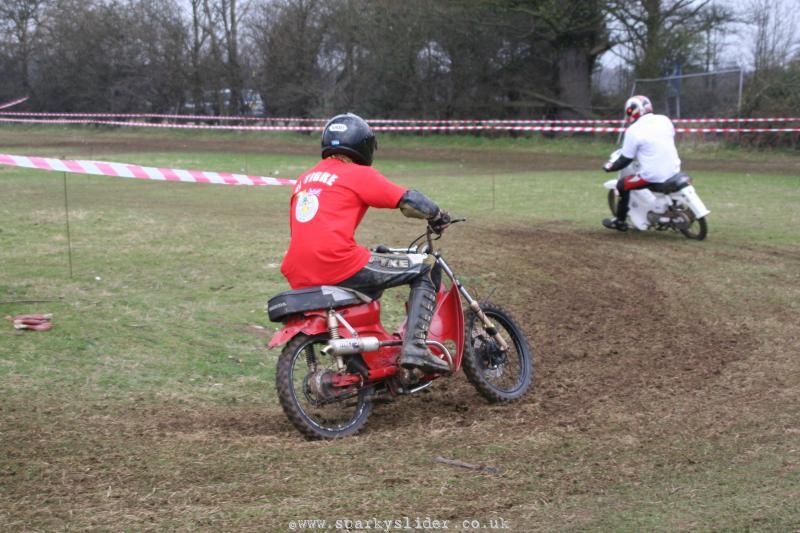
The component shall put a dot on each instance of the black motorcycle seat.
(296, 301)
(679, 181)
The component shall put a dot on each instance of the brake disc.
(493, 358)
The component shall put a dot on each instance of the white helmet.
(636, 106)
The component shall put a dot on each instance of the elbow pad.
(619, 164)
(414, 204)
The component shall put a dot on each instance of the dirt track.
(600, 334)
(644, 364)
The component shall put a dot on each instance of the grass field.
(667, 393)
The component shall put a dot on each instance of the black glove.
(439, 222)
(381, 249)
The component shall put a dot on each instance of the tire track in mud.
(601, 332)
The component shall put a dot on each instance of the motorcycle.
(338, 358)
(672, 205)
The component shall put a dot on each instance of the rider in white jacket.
(650, 139)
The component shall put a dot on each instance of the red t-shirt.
(328, 202)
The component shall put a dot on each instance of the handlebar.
(430, 235)
(430, 232)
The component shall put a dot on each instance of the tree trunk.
(575, 82)
(234, 70)
(196, 78)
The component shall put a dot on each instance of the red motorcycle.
(339, 358)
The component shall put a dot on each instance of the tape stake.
(122, 170)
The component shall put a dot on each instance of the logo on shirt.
(307, 205)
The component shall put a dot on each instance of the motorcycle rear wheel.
(315, 419)
(486, 367)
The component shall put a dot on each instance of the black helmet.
(349, 135)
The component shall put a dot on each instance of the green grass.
(151, 403)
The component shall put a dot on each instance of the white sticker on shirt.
(307, 205)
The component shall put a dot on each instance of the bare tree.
(100, 56)
(199, 36)
(774, 87)
(20, 22)
(223, 19)
(288, 37)
(775, 24)
(714, 20)
(437, 58)
(657, 34)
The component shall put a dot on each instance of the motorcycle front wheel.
(613, 198)
(498, 376)
(697, 230)
(317, 416)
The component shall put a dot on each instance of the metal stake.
(66, 215)
(493, 192)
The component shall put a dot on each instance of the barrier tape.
(441, 122)
(13, 102)
(418, 128)
(161, 116)
(123, 170)
(574, 121)
(160, 125)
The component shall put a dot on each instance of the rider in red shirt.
(329, 201)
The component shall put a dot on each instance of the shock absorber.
(333, 325)
(333, 328)
(311, 361)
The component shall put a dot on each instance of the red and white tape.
(421, 128)
(435, 122)
(220, 118)
(123, 170)
(417, 128)
(548, 127)
(159, 124)
(13, 102)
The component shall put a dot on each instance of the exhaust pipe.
(351, 346)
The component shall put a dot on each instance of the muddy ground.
(642, 366)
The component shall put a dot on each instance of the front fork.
(474, 305)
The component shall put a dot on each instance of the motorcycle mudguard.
(448, 322)
(308, 324)
(364, 318)
(688, 195)
(610, 184)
